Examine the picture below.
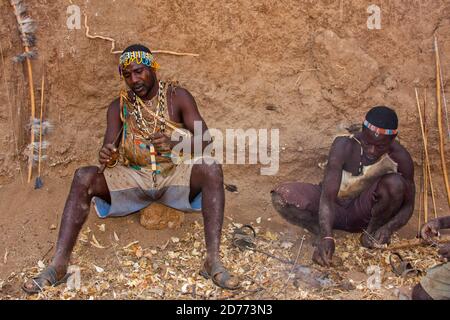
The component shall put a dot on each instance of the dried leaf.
(271, 236)
(5, 257)
(116, 237)
(98, 269)
(41, 264)
(184, 288)
(139, 252)
(175, 239)
(131, 244)
(95, 243)
(102, 227)
(286, 245)
(164, 246)
(258, 220)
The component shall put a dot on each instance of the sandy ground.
(314, 63)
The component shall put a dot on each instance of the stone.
(159, 217)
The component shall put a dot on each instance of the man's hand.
(444, 251)
(108, 154)
(430, 230)
(383, 236)
(162, 142)
(324, 252)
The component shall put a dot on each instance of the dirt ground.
(315, 63)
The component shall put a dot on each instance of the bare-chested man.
(368, 187)
(137, 151)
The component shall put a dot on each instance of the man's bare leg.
(86, 184)
(298, 203)
(299, 217)
(390, 194)
(208, 179)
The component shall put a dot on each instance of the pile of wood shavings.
(171, 271)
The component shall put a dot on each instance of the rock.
(158, 217)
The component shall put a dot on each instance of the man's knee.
(394, 186)
(285, 199)
(278, 202)
(84, 176)
(211, 173)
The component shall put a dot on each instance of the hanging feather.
(36, 159)
(24, 56)
(47, 127)
(45, 145)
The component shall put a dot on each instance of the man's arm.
(108, 153)
(444, 222)
(191, 116)
(406, 169)
(330, 186)
(113, 124)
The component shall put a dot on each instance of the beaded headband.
(140, 57)
(378, 131)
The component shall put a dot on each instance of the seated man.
(137, 151)
(436, 284)
(368, 186)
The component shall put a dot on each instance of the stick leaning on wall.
(427, 164)
(27, 28)
(439, 119)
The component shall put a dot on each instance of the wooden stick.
(425, 146)
(33, 103)
(428, 165)
(425, 169)
(409, 243)
(444, 99)
(40, 126)
(113, 44)
(421, 198)
(425, 193)
(439, 120)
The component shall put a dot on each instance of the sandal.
(402, 268)
(219, 276)
(48, 275)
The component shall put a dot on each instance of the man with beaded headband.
(140, 168)
(368, 187)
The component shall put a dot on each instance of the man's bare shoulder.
(181, 93)
(183, 97)
(114, 107)
(115, 104)
(342, 144)
(399, 153)
(339, 151)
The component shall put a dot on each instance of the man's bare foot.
(50, 276)
(219, 275)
